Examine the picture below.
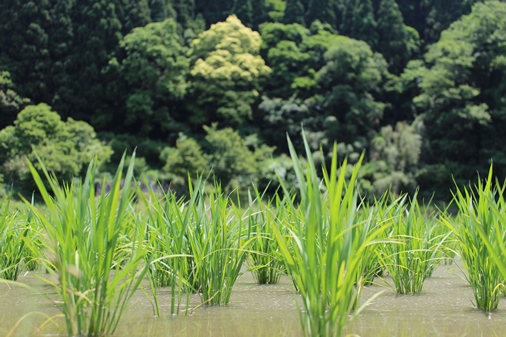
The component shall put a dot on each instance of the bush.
(64, 147)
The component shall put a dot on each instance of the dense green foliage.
(418, 86)
(65, 147)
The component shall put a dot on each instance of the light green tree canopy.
(227, 72)
(65, 147)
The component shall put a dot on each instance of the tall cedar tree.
(441, 14)
(357, 21)
(244, 11)
(321, 10)
(414, 13)
(431, 17)
(294, 12)
(185, 10)
(393, 35)
(98, 26)
(260, 14)
(161, 10)
(24, 46)
(214, 11)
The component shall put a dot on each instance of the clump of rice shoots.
(481, 235)
(13, 237)
(95, 249)
(414, 246)
(169, 252)
(264, 260)
(324, 248)
(218, 236)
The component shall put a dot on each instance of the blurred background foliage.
(213, 88)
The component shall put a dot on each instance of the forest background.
(200, 86)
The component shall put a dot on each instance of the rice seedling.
(169, 252)
(481, 234)
(264, 260)
(19, 241)
(414, 246)
(218, 237)
(328, 245)
(372, 264)
(13, 236)
(95, 249)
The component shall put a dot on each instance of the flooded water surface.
(444, 309)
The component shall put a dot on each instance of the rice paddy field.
(318, 261)
(443, 309)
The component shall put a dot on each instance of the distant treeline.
(419, 86)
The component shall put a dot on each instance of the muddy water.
(444, 309)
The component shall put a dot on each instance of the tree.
(160, 10)
(153, 66)
(260, 13)
(185, 10)
(431, 17)
(393, 161)
(294, 12)
(396, 42)
(282, 118)
(351, 81)
(295, 54)
(321, 10)
(244, 11)
(232, 163)
(357, 21)
(98, 27)
(214, 11)
(275, 10)
(186, 159)
(10, 102)
(441, 14)
(25, 46)
(226, 73)
(64, 147)
(461, 97)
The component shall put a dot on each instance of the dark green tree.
(414, 13)
(461, 98)
(10, 101)
(24, 46)
(286, 117)
(357, 21)
(185, 10)
(321, 10)
(294, 12)
(97, 27)
(260, 13)
(214, 11)
(441, 14)
(161, 10)
(431, 17)
(351, 82)
(244, 11)
(396, 42)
